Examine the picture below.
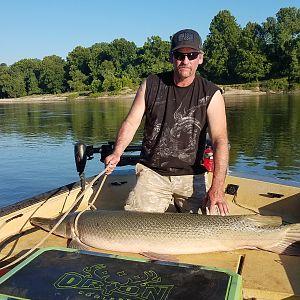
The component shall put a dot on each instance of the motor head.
(80, 157)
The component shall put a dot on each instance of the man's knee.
(137, 202)
(151, 193)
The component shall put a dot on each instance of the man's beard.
(184, 72)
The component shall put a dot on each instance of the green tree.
(112, 84)
(96, 86)
(252, 63)
(132, 73)
(78, 69)
(110, 63)
(123, 55)
(106, 68)
(281, 38)
(32, 84)
(294, 73)
(127, 82)
(154, 57)
(220, 48)
(78, 81)
(99, 53)
(30, 70)
(53, 75)
(11, 84)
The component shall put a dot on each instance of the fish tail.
(290, 243)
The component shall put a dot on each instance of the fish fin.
(77, 244)
(290, 244)
(262, 221)
(158, 256)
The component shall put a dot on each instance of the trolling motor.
(80, 160)
(83, 153)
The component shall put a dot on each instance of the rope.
(62, 218)
(91, 204)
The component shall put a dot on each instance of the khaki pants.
(154, 193)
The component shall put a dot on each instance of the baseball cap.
(186, 38)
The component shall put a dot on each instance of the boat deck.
(265, 275)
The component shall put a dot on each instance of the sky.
(38, 28)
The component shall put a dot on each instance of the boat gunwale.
(40, 197)
(288, 183)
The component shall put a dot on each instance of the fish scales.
(172, 225)
(168, 233)
(173, 233)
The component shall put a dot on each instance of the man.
(179, 108)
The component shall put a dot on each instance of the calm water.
(37, 140)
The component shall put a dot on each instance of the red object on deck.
(208, 159)
(3, 271)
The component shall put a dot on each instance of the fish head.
(64, 229)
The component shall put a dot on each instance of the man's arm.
(128, 129)
(218, 131)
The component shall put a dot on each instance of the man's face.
(185, 62)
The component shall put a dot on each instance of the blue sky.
(37, 28)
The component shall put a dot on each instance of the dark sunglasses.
(181, 56)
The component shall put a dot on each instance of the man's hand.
(111, 162)
(217, 202)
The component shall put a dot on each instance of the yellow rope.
(91, 204)
(62, 218)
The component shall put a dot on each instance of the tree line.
(265, 55)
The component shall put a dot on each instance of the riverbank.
(62, 97)
(227, 91)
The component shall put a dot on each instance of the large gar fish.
(175, 233)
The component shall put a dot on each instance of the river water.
(37, 140)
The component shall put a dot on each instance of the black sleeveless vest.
(175, 124)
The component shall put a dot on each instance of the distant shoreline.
(57, 98)
(66, 97)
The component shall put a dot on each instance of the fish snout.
(44, 223)
(64, 229)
